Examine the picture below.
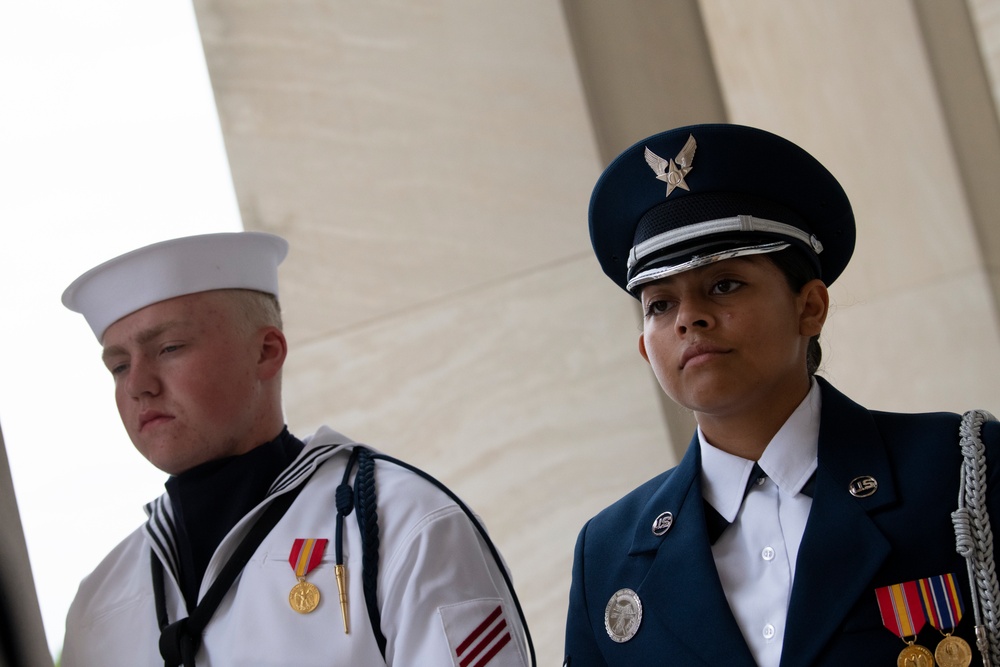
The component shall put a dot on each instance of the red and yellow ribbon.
(902, 609)
(306, 554)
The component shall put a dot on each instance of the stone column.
(22, 637)
(431, 165)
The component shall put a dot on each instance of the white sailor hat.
(703, 193)
(161, 271)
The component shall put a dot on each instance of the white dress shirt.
(755, 556)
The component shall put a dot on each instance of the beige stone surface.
(986, 14)
(851, 83)
(22, 636)
(431, 165)
(410, 148)
(919, 350)
(518, 396)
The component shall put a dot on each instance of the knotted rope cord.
(345, 505)
(486, 539)
(974, 536)
(367, 506)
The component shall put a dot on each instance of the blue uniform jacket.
(851, 546)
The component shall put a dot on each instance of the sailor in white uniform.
(265, 549)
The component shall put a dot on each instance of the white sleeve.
(444, 600)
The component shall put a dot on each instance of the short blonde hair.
(257, 309)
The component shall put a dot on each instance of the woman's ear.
(642, 347)
(814, 300)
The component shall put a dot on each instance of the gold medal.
(304, 597)
(953, 652)
(915, 655)
(306, 554)
(942, 601)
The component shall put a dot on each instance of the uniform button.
(760, 480)
(768, 631)
(767, 554)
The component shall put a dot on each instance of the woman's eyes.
(726, 286)
(657, 307)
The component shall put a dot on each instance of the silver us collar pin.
(863, 486)
(662, 523)
(623, 615)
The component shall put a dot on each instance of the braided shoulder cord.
(974, 536)
(486, 539)
(367, 514)
(366, 504)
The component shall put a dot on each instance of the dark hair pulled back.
(798, 271)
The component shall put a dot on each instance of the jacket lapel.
(681, 594)
(842, 548)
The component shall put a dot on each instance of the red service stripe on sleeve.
(493, 651)
(483, 644)
(478, 631)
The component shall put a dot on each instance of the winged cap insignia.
(672, 172)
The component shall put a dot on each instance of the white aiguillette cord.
(974, 536)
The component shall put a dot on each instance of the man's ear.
(815, 306)
(273, 350)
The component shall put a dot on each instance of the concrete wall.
(431, 165)
(22, 637)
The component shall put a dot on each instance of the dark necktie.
(717, 524)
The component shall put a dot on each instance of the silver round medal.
(623, 615)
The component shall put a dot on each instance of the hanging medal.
(903, 615)
(306, 554)
(942, 603)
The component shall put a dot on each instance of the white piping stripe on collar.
(650, 275)
(739, 223)
(162, 532)
(305, 464)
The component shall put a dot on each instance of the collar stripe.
(160, 527)
(300, 468)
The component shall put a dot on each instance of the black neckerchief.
(180, 640)
(210, 499)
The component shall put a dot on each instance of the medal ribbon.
(306, 554)
(942, 601)
(902, 609)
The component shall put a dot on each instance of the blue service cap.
(703, 193)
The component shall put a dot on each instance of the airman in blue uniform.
(800, 528)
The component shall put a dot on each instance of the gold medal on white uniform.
(306, 554)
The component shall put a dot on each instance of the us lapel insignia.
(623, 615)
(662, 523)
(864, 486)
